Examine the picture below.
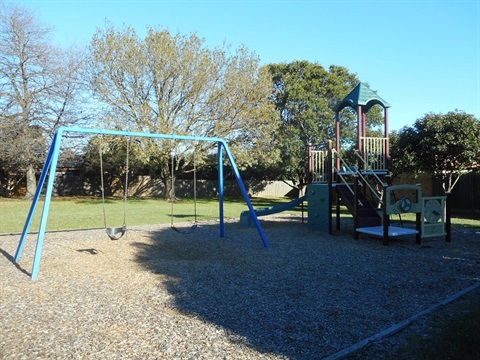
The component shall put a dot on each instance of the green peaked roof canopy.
(362, 96)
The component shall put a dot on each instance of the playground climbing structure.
(364, 185)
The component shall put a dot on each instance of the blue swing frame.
(50, 167)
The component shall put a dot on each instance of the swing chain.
(172, 199)
(125, 189)
(116, 232)
(102, 187)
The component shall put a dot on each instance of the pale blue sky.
(421, 56)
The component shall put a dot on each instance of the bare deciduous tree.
(40, 88)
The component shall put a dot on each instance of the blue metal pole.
(138, 134)
(35, 200)
(221, 189)
(46, 205)
(245, 195)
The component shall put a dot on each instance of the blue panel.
(245, 195)
(221, 190)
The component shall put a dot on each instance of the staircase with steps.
(367, 214)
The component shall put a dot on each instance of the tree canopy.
(445, 145)
(304, 95)
(172, 83)
(165, 83)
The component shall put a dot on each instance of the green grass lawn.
(79, 213)
(69, 213)
(456, 336)
(458, 219)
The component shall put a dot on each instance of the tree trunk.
(3, 187)
(31, 182)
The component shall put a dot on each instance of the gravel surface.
(158, 294)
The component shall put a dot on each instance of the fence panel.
(465, 196)
(466, 193)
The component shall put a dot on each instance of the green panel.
(318, 207)
(363, 96)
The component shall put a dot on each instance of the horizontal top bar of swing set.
(65, 129)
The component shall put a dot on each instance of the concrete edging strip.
(399, 326)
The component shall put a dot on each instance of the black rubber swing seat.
(116, 233)
(194, 226)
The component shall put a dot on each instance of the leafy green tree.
(172, 84)
(446, 145)
(304, 95)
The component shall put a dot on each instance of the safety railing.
(319, 165)
(369, 171)
(375, 153)
(344, 170)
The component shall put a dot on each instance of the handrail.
(374, 192)
(356, 172)
(337, 171)
(369, 168)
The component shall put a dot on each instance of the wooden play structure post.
(329, 169)
(387, 144)
(385, 220)
(337, 137)
(356, 222)
(418, 236)
(310, 167)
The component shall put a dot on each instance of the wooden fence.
(465, 196)
(466, 193)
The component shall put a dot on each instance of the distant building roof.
(362, 96)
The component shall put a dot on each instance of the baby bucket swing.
(115, 233)
(194, 226)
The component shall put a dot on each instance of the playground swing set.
(331, 177)
(115, 233)
(47, 177)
